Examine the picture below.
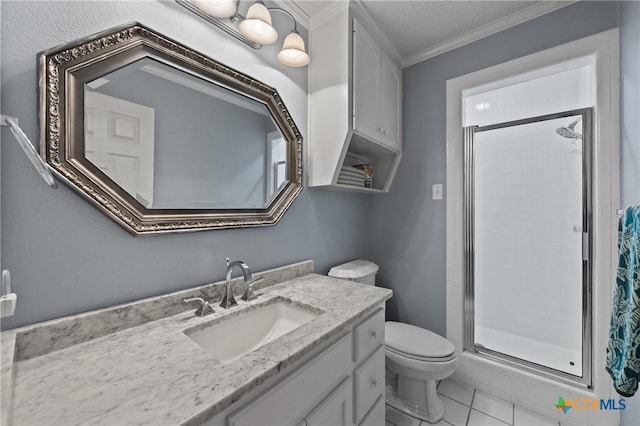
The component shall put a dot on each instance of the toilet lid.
(416, 341)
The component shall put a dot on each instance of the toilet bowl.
(418, 358)
(415, 357)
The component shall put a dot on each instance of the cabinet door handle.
(384, 132)
(374, 334)
(374, 383)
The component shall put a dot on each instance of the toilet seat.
(394, 351)
(417, 343)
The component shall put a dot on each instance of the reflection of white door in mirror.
(276, 162)
(119, 140)
(279, 175)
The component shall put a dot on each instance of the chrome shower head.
(569, 132)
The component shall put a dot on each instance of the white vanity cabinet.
(341, 384)
(335, 410)
(355, 99)
(376, 90)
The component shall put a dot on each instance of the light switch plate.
(436, 191)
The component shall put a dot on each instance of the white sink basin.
(234, 337)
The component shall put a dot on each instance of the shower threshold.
(553, 356)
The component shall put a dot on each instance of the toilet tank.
(361, 271)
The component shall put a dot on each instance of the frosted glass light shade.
(293, 53)
(217, 8)
(257, 27)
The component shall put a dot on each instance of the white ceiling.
(418, 30)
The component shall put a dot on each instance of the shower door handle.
(585, 246)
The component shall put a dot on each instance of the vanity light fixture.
(217, 8)
(257, 25)
(255, 30)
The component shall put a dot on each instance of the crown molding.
(361, 12)
(327, 13)
(509, 21)
(292, 7)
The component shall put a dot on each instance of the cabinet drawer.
(334, 410)
(369, 384)
(294, 396)
(368, 336)
(376, 414)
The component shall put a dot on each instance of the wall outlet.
(436, 191)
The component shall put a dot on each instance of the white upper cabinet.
(390, 97)
(376, 90)
(367, 56)
(355, 94)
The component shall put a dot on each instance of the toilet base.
(414, 391)
(434, 415)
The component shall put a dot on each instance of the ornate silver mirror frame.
(63, 74)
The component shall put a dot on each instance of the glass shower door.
(527, 229)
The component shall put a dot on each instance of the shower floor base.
(542, 353)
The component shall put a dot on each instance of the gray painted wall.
(206, 149)
(67, 257)
(407, 228)
(630, 135)
(629, 104)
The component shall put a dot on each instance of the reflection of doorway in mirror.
(280, 174)
(276, 164)
(119, 139)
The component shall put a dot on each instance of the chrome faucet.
(228, 300)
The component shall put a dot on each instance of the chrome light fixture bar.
(255, 30)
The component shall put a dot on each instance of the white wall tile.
(482, 378)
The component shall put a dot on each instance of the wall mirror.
(164, 139)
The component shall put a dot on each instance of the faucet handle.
(249, 294)
(204, 308)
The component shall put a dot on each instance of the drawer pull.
(374, 383)
(374, 334)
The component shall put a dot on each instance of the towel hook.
(29, 150)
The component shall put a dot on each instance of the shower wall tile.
(545, 411)
(603, 148)
(481, 378)
(602, 417)
(547, 393)
(522, 389)
(603, 239)
(568, 421)
(522, 402)
(580, 416)
(463, 380)
(501, 385)
(604, 212)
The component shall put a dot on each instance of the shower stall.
(527, 200)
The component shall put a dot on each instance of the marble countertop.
(154, 374)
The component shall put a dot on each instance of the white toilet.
(415, 358)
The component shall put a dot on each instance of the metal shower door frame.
(587, 251)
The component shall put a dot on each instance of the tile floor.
(469, 407)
